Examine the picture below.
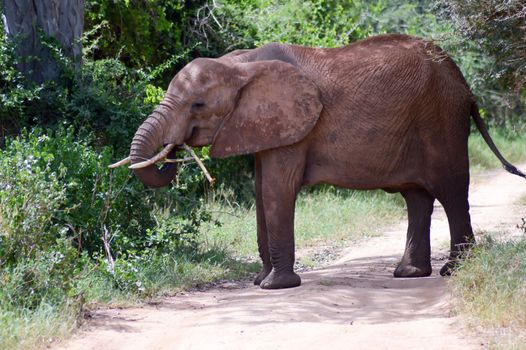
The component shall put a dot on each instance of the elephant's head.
(238, 108)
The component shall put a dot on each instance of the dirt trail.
(352, 304)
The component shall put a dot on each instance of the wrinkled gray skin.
(389, 112)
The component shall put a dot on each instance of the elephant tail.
(485, 135)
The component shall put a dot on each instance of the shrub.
(14, 94)
(54, 185)
(104, 100)
(48, 277)
(140, 33)
(30, 196)
(498, 28)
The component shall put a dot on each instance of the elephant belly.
(376, 159)
(349, 174)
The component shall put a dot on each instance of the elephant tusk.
(158, 157)
(120, 163)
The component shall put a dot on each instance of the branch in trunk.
(183, 160)
(199, 162)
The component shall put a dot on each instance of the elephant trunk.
(147, 140)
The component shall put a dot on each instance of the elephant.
(388, 112)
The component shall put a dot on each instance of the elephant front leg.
(280, 222)
(280, 183)
(262, 235)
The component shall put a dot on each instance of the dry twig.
(106, 241)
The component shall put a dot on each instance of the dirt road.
(352, 304)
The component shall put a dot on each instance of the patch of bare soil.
(354, 303)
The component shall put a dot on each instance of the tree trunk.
(27, 20)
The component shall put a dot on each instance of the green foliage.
(105, 100)
(495, 31)
(301, 22)
(14, 94)
(30, 194)
(327, 23)
(59, 203)
(53, 185)
(137, 32)
(498, 28)
(46, 277)
(55, 189)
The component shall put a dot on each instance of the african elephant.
(389, 112)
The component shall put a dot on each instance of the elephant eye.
(198, 104)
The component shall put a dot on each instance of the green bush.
(55, 186)
(47, 277)
(103, 100)
(138, 32)
(492, 34)
(327, 23)
(30, 197)
(14, 94)
(496, 27)
(73, 231)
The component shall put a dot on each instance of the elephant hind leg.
(456, 206)
(416, 261)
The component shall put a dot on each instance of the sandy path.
(352, 304)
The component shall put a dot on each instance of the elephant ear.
(277, 106)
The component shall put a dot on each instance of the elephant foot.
(265, 271)
(407, 270)
(280, 280)
(453, 262)
(449, 268)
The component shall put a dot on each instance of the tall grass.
(23, 329)
(490, 287)
(490, 291)
(327, 217)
